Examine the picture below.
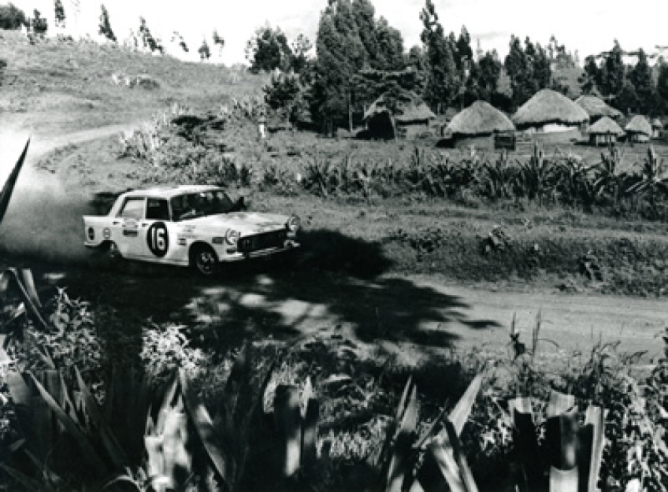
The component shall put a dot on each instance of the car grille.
(257, 242)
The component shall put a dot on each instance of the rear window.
(133, 208)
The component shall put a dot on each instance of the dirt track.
(406, 315)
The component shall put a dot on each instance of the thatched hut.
(605, 131)
(550, 116)
(597, 108)
(657, 128)
(401, 114)
(477, 125)
(638, 129)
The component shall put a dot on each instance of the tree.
(38, 24)
(390, 44)
(285, 95)
(59, 14)
(268, 50)
(641, 79)
(612, 71)
(176, 37)
(300, 60)
(488, 71)
(218, 41)
(442, 81)
(147, 39)
(204, 51)
(519, 69)
(591, 77)
(12, 17)
(104, 28)
(464, 50)
(662, 82)
(364, 12)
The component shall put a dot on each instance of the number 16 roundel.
(157, 239)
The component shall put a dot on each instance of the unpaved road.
(407, 316)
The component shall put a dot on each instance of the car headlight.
(232, 236)
(293, 223)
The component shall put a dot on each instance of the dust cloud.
(44, 220)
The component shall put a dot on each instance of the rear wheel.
(204, 260)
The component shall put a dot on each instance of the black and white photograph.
(333, 246)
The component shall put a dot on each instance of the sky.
(589, 26)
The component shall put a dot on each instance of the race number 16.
(157, 239)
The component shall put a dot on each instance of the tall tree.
(489, 69)
(178, 39)
(218, 41)
(300, 58)
(443, 81)
(612, 71)
(519, 69)
(590, 79)
(662, 82)
(104, 27)
(268, 50)
(147, 39)
(204, 51)
(364, 12)
(390, 54)
(641, 79)
(38, 24)
(59, 13)
(464, 50)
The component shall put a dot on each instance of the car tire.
(203, 260)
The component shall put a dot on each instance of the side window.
(133, 208)
(157, 209)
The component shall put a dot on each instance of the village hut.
(605, 131)
(638, 129)
(398, 114)
(657, 128)
(477, 125)
(597, 108)
(550, 116)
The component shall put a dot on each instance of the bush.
(11, 17)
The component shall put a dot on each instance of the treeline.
(359, 57)
(635, 88)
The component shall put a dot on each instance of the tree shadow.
(333, 280)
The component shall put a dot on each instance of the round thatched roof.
(657, 123)
(548, 106)
(597, 108)
(480, 118)
(405, 107)
(639, 124)
(605, 126)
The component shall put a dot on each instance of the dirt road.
(281, 298)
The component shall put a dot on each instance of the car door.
(126, 225)
(156, 231)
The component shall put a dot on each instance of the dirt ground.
(408, 316)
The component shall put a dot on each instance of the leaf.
(25, 480)
(88, 451)
(287, 415)
(460, 414)
(222, 461)
(8, 188)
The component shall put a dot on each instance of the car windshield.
(200, 204)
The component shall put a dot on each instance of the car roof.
(170, 192)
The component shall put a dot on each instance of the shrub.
(11, 17)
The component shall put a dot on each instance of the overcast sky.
(590, 26)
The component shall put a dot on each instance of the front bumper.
(289, 245)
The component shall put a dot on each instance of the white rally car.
(197, 226)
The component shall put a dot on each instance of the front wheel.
(204, 260)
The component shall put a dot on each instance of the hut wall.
(599, 139)
(483, 143)
(638, 137)
(557, 137)
(413, 129)
(558, 127)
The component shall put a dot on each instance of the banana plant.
(8, 188)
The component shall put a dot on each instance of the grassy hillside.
(73, 82)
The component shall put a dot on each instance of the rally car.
(197, 226)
